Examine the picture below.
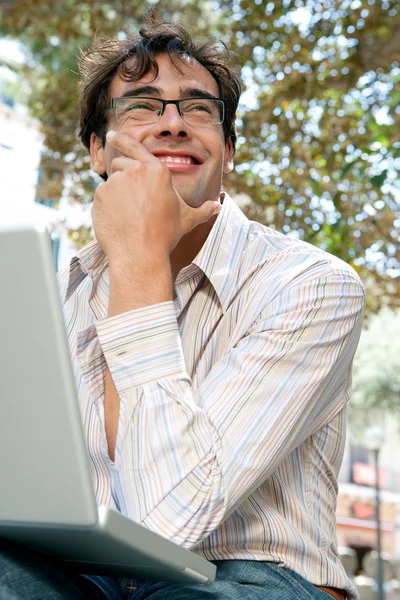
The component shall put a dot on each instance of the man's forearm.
(131, 287)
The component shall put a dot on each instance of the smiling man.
(170, 156)
(212, 354)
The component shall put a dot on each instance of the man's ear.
(97, 159)
(228, 158)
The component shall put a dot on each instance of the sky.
(11, 49)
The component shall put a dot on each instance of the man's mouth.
(183, 160)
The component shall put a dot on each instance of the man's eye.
(198, 107)
(140, 106)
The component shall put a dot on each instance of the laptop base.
(114, 546)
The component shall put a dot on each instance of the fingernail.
(111, 134)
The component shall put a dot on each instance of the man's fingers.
(121, 163)
(129, 147)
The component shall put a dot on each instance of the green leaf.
(316, 188)
(379, 180)
(347, 168)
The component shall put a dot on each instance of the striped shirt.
(233, 396)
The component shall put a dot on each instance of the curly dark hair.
(108, 57)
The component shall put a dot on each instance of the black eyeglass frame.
(113, 104)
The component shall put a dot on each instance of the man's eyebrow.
(143, 90)
(151, 90)
(187, 92)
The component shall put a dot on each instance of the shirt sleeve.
(185, 458)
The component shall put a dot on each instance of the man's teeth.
(186, 160)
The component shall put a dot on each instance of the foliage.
(376, 373)
(53, 34)
(319, 144)
(319, 160)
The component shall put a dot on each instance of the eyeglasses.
(194, 111)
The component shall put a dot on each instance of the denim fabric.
(29, 575)
(235, 580)
(110, 588)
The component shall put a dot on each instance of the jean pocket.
(301, 589)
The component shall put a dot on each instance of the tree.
(319, 143)
(53, 34)
(376, 373)
(322, 151)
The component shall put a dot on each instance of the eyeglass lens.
(149, 110)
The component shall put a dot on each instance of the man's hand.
(138, 214)
(138, 219)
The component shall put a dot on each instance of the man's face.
(202, 148)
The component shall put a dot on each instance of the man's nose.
(171, 123)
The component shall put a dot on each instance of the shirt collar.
(221, 254)
(219, 258)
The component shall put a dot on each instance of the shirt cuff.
(142, 345)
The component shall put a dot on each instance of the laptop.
(47, 498)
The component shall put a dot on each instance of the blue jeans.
(29, 575)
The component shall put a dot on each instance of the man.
(212, 354)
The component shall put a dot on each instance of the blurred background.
(318, 158)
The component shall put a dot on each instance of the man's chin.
(189, 194)
(193, 193)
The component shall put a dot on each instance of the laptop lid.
(41, 432)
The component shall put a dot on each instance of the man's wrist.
(138, 261)
(134, 284)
